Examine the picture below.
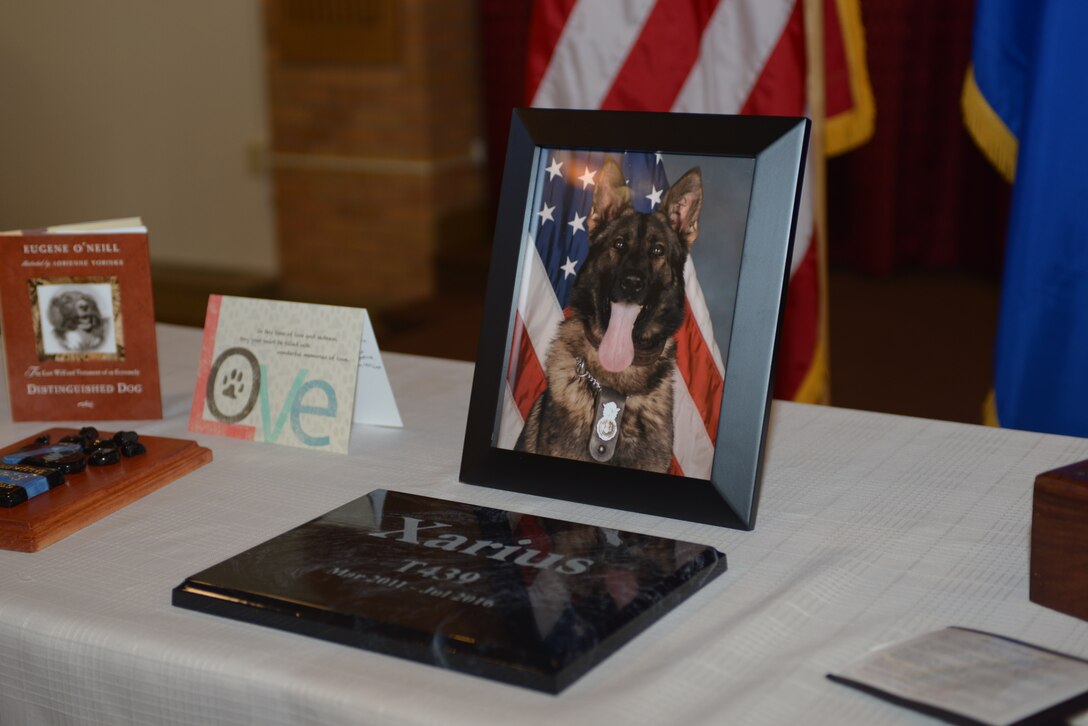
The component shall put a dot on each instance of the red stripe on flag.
(700, 373)
(800, 327)
(661, 59)
(528, 379)
(546, 27)
(780, 90)
(674, 467)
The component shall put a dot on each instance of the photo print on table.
(616, 355)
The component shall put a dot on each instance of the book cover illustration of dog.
(609, 370)
(78, 324)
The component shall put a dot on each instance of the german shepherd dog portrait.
(609, 370)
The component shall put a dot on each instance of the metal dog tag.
(609, 405)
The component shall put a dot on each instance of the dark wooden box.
(1059, 540)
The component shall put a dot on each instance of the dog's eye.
(657, 250)
(619, 244)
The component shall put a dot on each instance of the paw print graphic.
(233, 385)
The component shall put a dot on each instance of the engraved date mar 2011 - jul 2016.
(420, 569)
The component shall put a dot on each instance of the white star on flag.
(568, 269)
(587, 178)
(660, 159)
(545, 214)
(578, 223)
(655, 196)
(555, 169)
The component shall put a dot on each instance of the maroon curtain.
(919, 194)
(505, 37)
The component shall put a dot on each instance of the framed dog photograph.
(637, 282)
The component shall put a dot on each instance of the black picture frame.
(774, 149)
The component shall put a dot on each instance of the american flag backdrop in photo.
(724, 57)
(555, 248)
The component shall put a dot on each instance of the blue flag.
(1026, 103)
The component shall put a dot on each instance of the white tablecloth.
(872, 528)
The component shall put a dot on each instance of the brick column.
(375, 111)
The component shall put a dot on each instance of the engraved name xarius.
(450, 542)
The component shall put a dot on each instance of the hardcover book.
(513, 597)
(79, 323)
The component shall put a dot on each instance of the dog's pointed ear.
(682, 204)
(611, 195)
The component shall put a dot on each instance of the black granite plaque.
(531, 601)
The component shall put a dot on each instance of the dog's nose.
(632, 284)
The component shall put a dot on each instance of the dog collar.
(609, 405)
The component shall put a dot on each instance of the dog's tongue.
(617, 348)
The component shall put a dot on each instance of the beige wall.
(112, 108)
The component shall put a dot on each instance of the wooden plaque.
(95, 492)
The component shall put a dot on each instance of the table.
(872, 528)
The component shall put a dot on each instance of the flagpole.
(817, 105)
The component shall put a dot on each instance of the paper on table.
(977, 675)
(278, 372)
(374, 402)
